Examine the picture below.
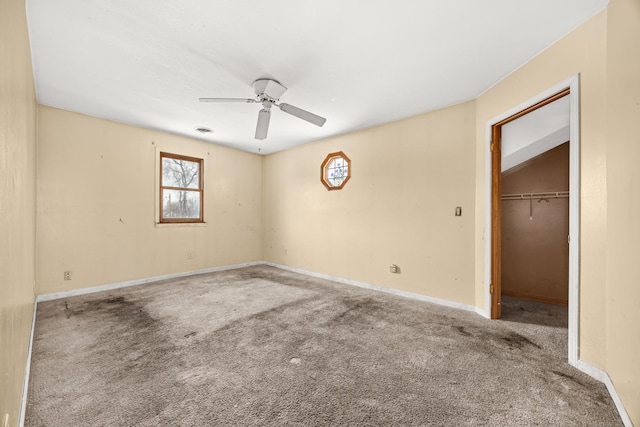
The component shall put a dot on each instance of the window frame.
(199, 190)
(323, 170)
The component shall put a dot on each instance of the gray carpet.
(264, 347)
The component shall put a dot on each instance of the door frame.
(492, 205)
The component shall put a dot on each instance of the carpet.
(260, 346)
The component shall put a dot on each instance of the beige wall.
(97, 198)
(398, 207)
(582, 51)
(602, 51)
(623, 202)
(17, 203)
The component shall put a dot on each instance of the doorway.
(535, 217)
(493, 260)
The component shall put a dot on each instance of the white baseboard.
(27, 370)
(112, 286)
(603, 377)
(483, 313)
(379, 288)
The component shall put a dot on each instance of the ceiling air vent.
(204, 130)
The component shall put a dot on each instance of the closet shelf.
(543, 195)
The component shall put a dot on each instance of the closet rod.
(544, 195)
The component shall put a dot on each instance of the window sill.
(180, 224)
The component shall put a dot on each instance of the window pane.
(180, 173)
(337, 171)
(180, 204)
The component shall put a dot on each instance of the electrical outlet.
(67, 275)
(189, 255)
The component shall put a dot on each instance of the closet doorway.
(535, 227)
(519, 147)
(569, 88)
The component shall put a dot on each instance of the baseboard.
(27, 370)
(112, 286)
(483, 313)
(379, 288)
(118, 285)
(546, 300)
(603, 377)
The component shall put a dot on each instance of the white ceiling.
(359, 64)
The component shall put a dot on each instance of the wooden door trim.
(496, 221)
(495, 286)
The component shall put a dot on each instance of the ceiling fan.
(268, 93)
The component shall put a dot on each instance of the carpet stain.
(110, 304)
(124, 310)
(568, 377)
(515, 340)
(462, 331)
(113, 300)
(357, 308)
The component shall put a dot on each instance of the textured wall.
(623, 202)
(17, 203)
(398, 207)
(98, 197)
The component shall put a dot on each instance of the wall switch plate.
(67, 275)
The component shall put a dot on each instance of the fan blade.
(263, 123)
(303, 114)
(246, 100)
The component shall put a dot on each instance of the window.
(335, 170)
(180, 188)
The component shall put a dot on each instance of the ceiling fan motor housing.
(271, 88)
